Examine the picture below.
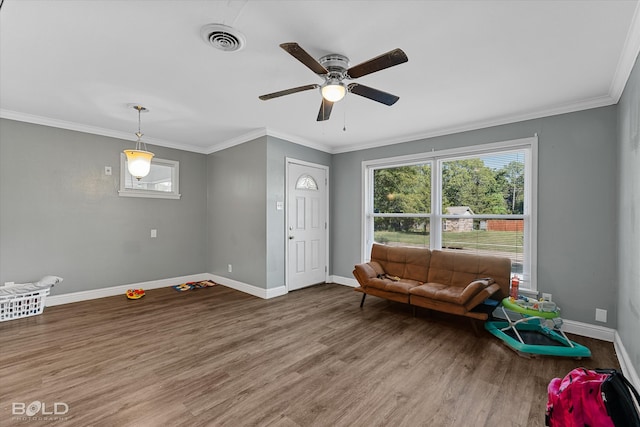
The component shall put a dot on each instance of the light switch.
(279, 206)
(107, 170)
(154, 233)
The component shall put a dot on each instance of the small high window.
(162, 181)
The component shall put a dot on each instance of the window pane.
(404, 189)
(403, 231)
(498, 237)
(488, 184)
(162, 182)
(159, 179)
(306, 182)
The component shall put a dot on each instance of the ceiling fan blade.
(325, 110)
(386, 60)
(374, 94)
(301, 55)
(288, 92)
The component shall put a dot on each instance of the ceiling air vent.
(223, 37)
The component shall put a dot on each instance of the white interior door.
(306, 225)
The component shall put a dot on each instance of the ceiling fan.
(333, 68)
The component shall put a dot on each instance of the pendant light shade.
(139, 160)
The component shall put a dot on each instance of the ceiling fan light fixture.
(333, 90)
(334, 69)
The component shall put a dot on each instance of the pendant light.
(139, 160)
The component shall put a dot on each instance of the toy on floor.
(135, 293)
(183, 287)
(538, 331)
(194, 285)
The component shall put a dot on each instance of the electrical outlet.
(154, 233)
(546, 297)
(601, 315)
(230, 268)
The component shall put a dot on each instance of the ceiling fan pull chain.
(346, 104)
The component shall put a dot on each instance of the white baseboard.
(588, 330)
(250, 289)
(121, 289)
(346, 281)
(164, 283)
(625, 362)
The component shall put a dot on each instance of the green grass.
(503, 241)
(408, 238)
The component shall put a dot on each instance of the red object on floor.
(135, 293)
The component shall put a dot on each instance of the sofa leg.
(474, 326)
(362, 301)
(413, 309)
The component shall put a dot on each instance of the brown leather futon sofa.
(448, 281)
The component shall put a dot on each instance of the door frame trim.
(289, 161)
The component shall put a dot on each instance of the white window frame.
(133, 192)
(436, 158)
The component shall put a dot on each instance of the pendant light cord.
(139, 134)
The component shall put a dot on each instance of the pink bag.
(576, 400)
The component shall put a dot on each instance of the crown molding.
(241, 139)
(628, 57)
(602, 101)
(94, 130)
(300, 141)
(250, 136)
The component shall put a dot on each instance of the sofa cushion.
(454, 294)
(454, 268)
(404, 262)
(402, 286)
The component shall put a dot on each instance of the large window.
(478, 199)
(402, 204)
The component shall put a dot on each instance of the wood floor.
(218, 357)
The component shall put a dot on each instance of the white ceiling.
(80, 64)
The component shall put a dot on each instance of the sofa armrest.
(473, 289)
(482, 295)
(364, 272)
(367, 271)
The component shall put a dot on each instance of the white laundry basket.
(24, 300)
(22, 304)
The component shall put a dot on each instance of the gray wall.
(629, 217)
(244, 227)
(61, 215)
(277, 152)
(236, 212)
(577, 204)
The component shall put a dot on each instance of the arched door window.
(306, 182)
